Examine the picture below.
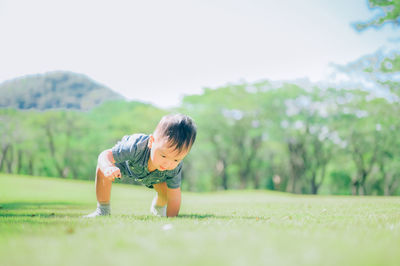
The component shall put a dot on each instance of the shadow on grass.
(35, 209)
(51, 209)
(35, 205)
(41, 215)
(182, 216)
(213, 216)
(198, 216)
(195, 217)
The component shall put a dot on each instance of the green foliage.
(391, 64)
(389, 14)
(340, 183)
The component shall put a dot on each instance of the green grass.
(41, 224)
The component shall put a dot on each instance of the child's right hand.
(112, 172)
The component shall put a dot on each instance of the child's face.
(163, 156)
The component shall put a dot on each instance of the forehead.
(167, 147)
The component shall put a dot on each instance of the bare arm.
(106, 164)
(173, 201)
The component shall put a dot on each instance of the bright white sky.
(158, 51)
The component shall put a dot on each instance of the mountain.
(59, 89)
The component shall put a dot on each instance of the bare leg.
(103, 187)
(158, 206)
(103, 194)
(161, 189)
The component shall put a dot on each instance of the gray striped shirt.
(131, 156)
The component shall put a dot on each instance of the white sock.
(158, 210)
(101, 210)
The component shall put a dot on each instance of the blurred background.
(288, 96)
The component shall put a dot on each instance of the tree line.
(250, 136)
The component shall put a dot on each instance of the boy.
(154, 160)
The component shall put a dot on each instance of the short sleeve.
(127, 148)
(175, 177)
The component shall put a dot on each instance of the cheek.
(167, 163)
(173, 165)
(159, 159)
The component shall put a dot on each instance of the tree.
(232, 122)
(389, 14)
(385, 73)
(8, 130)
(310, 138)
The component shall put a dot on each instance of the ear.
(151, 141)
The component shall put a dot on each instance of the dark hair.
(179, 129)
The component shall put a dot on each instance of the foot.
(102, 210)
(160, 211)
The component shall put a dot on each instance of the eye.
(163, 156)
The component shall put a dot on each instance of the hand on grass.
(112, 172)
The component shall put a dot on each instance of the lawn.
(41, 224)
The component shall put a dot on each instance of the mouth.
(162, 168)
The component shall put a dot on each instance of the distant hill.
(59, 89)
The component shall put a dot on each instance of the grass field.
(41, 224)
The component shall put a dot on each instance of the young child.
(154, 160)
